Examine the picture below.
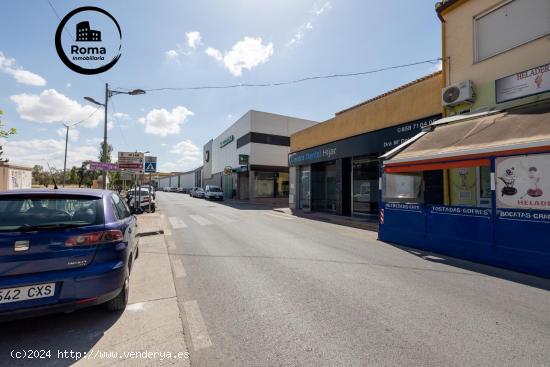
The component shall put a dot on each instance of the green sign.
(243, 159)
(226, 141)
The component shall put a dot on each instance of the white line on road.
(282, 216)
(222, 217)
(200, 220)
(177, 223)
(197, 327)
(179, 270)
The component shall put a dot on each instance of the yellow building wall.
(459, 51)
(413, 102)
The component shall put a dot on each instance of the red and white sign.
(523, 84)
(523, 182)
(132, 161)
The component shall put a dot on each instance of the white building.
(13, 177)
(249, 160)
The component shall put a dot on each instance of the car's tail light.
(94, 238)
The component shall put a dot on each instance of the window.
(264, 184)
(403, 187)
(510, 25)
(120, 208)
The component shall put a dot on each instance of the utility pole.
(105, 147)
(65, 162)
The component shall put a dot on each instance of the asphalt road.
(262, 288)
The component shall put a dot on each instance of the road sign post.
(150, 167)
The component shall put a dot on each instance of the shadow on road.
(492, 271)
(59, 334)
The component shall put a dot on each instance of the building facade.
(476, 185)
(249, 160)
(334, 165)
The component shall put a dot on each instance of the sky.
(201, 43)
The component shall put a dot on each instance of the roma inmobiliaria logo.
(88, 40)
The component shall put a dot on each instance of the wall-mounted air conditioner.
(462, 92)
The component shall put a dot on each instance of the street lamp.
(108, 94)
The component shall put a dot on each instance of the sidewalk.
(151, 322)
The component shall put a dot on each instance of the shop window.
(434, 187)
(403, 187)
(305, 176)
(510, 25)
(282, 184)
(470, 186)
(264, 183)
(365, 186)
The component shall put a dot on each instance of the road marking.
(222, 217)
(177, 223)
(200, 220)
(197, 327)
(179, 270)
(282, 216)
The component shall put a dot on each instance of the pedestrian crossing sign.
(151, 167)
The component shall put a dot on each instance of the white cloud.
(73, 133)
(245, 54)
(171, 54)
(325, 7)
(436, 67)
(9, 66)
(68, 85)
(121, 116)
(193, 39)
(163, 122)
(190, 157)
(316, 11)
(52, 106)
(48, 151)
(216, 54)
(163, 144)
(110, 125)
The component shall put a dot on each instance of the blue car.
(64, 249)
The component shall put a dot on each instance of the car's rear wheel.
(121, 300)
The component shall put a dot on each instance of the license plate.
(17, 294)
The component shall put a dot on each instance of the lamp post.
(108, 94)
(65, 161)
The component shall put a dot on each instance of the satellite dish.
(451, 94)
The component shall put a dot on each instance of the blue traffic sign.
(151, 167)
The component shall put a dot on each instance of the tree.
(109, 151)
(73, 176)
(4, 134)
(39, 176)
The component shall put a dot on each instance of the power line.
(295, 81)
(85, 119)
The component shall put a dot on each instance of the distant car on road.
(213, 193)
(173, 189)
(166, 189)
(197, 192)
(61, 250)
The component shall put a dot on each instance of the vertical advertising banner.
(523, 182)
(463, 186)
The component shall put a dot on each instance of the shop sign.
(523, 182)
(403, 207)
(523, 84)
(463, 186)
(373, 143)
(461, 211)
(524, 216)
(226, 141)
(243, 159)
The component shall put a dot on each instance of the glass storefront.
(271, 184)
(305, 193)
(365, 186)
(323, 186)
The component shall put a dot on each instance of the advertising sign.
(523, 182)
(131, 161)
(522, 84)
(103, 166)
(463, 188)
(226, 141)
(243, 159)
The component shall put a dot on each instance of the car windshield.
(200, 190)
(214, 189)
(31, 212)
